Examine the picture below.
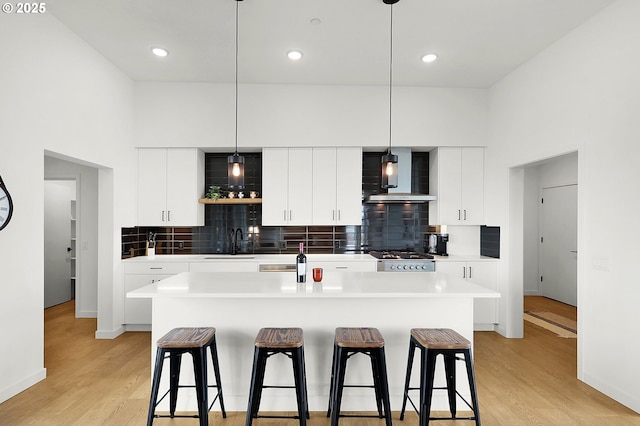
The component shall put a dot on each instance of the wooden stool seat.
(448, 343)
(348, 342)
(360, 337)
(269, 342)
(187, 337)
(174, 344)
(279, 338)
(439, 338)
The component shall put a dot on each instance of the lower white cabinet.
(484, 273)
(140, 274)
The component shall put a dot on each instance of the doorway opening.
(550, 243)
(60, 237)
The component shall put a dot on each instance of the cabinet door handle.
(156, 267)
(333, 215)
(464, 272)
(342, 267)
(465, 214)
(338, 215)
(163, 215)
(469, 272)
(284, 215)
(168, 215)
(458, 214)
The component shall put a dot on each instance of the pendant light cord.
(237, 38)
(390, 69)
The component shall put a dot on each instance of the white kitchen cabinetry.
(287, 186)
(140, 274)
(484, 273)
(337, 186)
(228, 266)
(456, 177)
(328, 266)
(170, 182)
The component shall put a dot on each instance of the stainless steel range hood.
(402, 194)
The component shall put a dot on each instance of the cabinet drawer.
(156, 268)
(369, 266)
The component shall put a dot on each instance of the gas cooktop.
(400, 255)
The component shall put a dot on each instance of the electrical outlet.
(180, 245)
(283, 244)
(336, 244)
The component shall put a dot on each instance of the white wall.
(202, 115)
(581, 94)
(87, 245)
(61, 96)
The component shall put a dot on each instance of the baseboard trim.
(109, 334)
(137, 327)
(87, 314)
(27, 382)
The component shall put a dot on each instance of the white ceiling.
(478, 41)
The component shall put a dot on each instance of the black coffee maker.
(436, 243)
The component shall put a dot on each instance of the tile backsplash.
(390, 226)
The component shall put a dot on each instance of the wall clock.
(6, 205)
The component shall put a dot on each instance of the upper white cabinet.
(456, 176)
(170, 181)
(311, 186)
(337, 186)
(287, 186)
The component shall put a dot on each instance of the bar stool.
(448, 343)
(173, 345)
(348, 342)
(269, 342)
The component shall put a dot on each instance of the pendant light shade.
(388, 160)
(235, 162)
(389, 170)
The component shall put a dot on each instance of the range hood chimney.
(402, 194)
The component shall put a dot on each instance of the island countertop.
(238, 304)
(333, 285)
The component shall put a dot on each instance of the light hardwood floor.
(528, 381)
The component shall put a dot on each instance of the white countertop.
(333, 285)
(266, 258)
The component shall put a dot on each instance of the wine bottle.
(301, 265)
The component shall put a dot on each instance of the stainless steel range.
(404, 261)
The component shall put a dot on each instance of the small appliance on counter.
(436, 243)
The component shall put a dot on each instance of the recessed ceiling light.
(429, 57)
(159, 51)
(294, 55)
(315, 21)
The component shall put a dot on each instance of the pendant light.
(390, 161)
(235, 162)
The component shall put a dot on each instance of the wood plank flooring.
(528, 381)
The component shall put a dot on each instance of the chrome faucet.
(234, 240)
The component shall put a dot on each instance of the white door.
(558, 243)
(57, 241)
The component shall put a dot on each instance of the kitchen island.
(239, 304)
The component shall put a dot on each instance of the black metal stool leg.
(412, 349)
(254, 387)
(375, 371)
(213, 349)
(157, 373)
(384, 384)
(175, 360)
(200, 374)
(427, 381)
(450, 374)
(472, 385)
(298, 375)
(333, 378)
(341, 361)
